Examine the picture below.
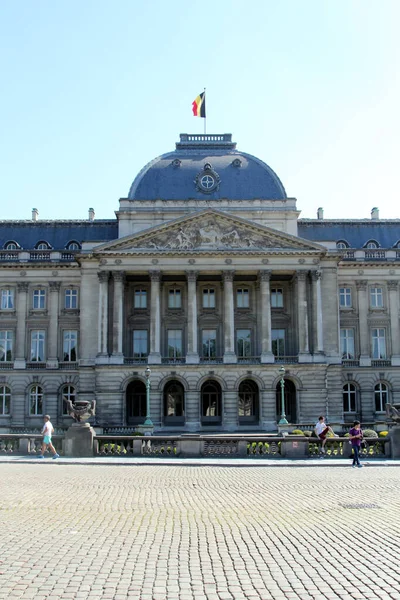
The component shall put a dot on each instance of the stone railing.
(26, 443)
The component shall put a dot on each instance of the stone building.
(208, 276)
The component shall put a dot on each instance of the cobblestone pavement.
(183, 533)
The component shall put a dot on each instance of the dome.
(206, 167)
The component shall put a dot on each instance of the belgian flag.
(199, 106)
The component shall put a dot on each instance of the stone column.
(118, 314)
(21, 306)
(192, 410)
(155, 318)
(302, 311)
(393, 287)
(52, 361)
(103, 314)
(318, 343)
(230, 414)
(229, 318)
(362, 297)
(192, 356)
(265, 310)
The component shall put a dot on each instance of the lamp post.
(148, 422)
(283, 420)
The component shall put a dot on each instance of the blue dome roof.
(206, 167)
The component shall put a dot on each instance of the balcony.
(135, 360)
(381, 362)
(286, 360)
(248, 360)
(68, 365)
(6, 365)
(36, 365)
(211, 360)
(173, 360)
(350, 362)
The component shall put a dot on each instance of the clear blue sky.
(94, 89)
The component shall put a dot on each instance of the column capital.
(301, 275)
(265, 275)
(103, 276)
(228, 275)
(118, 275)
(316, 274)
(192, 275)
(54, 286)
(362, 284)
(393, 285)
(23, 287)
(155, 275)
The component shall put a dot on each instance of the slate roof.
(57, 233)
(355, 232)
(163, 179)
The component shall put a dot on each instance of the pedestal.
(145, 429)
(79, 440)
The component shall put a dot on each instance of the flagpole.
(205, 118)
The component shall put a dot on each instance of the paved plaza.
(157, 532)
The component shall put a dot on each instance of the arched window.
(36, 400)
(371, 244)
(349, 398)
(5, 400)
(73, 246)
(42, 246)
(341, 245)
(68, 393)
(136, 403)
(211, 403)
(11, 246)
(381, 393)
(248, 402)
(174, 403)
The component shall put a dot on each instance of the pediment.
(209, 230)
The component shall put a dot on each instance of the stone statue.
(393, 413)
(81, 410)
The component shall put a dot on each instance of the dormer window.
(371, 245)
(341, 245)
(11, 246)
(73, 246)
(42, 246)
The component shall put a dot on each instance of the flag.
(199, 106)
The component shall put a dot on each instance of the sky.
(92, 90)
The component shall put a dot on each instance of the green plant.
(368, 433)
(297, 432)
(383, 433)
(308, 433)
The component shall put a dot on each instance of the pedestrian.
(322, 430)
(356, 435)
(47, 432)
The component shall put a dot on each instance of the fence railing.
(23, 444)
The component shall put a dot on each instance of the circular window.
(207, 182)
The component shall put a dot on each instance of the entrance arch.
(290, 401)
(211, 405)
(135, 403)
(174, 403)
(248, 402)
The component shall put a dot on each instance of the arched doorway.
(248, 403)
(174, 403)
(211, 405)
(135, 403)
(290, 401)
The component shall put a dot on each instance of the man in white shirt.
(322, 430)
(47, 432)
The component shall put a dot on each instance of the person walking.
(47, 432)
(356, 435)
(322, 430)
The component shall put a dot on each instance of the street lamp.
(148, 422)
(283, 420)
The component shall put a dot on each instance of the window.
(248, 399)
(36, 400)
(376, 296)
(68, 395)
(73, 246)
(242, 298)
(11, 246)
(381, 397)
(6, 346)
(136, 402)
(7, 299)
(71, 299)
(37, 345)
(210, 403)
(42, 246)
(349, 398)
(278, 342)
(341, 245)
(174, 298)
(378, 343)
(174, 400)
(39, 299)
(345, 297)
(276, 298)
(140, 343)
(5, 400)
(243, 342)
(347, 343)
(209, 343)
(174, 343)
(140, 298)
(371, 245)
(208, 298)
(70, 346)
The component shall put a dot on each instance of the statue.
(393, 413)
(81, 410)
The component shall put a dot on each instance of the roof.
(175, 175)
(355, 232)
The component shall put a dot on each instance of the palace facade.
(209, 276)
